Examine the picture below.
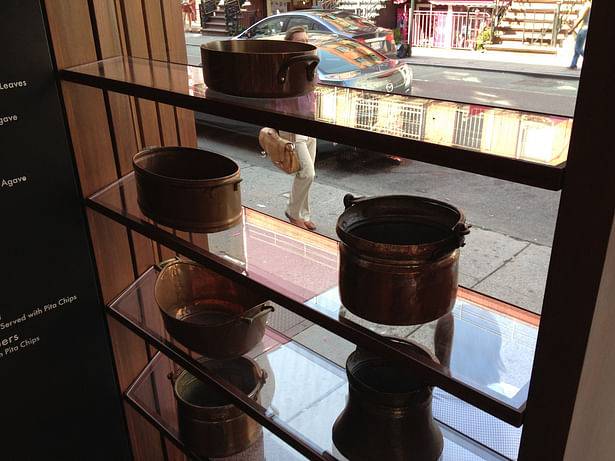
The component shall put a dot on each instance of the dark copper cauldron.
(209, 313)
(259, 68)
(388, 414)
(208, 422)
(189, 189)
(399, 258)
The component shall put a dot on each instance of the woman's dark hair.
(292, 31)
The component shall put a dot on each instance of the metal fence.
(448, 29)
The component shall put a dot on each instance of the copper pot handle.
(234, 183)
(311, 58)
(264, 310)
(162, 264)
(350, 200)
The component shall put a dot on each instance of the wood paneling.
(71, 32)
(145, 438)
(112, 255)
(107, 26)
(89, 132)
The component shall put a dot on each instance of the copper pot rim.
(259, 374)
(186, 182)
(285, 47)
(168, 311)
(455, 230)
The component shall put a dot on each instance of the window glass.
(342, 21)
(267, 28)
(308, 23)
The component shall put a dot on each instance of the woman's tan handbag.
(281, 151)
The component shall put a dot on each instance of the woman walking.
(298, 208)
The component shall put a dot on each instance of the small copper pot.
(208, 422)
(388, 415)
(208, 313)
(399, 258)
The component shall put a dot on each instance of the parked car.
(349, 63)
(339, 22)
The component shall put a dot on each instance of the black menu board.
(58, 391)
(231, 8)
(209, 6)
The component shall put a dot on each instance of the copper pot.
(208, 313)
(208, 422)
(388, 413)
(259, 68)
(189, 189)
(399, 258)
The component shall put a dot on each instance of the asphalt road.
(555, 96)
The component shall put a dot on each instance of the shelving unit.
(115, 105)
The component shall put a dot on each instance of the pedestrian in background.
(579, 44)
(188, 13)
(298, 208)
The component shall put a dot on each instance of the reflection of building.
(508, 133)
(347, 50)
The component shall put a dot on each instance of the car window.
(338, 56)
(342, 21)
(308, 23)
(266, 28)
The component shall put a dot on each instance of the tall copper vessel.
(388, 414)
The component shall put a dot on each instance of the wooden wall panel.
(90, 136)
(146, 440)
(176, 46)
(108, 28)
(174, 31)
(145, 251)
(124, 130)
(71, 32)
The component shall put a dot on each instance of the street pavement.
(503, 266)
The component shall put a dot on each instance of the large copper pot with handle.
(399, 258)
(259, 68)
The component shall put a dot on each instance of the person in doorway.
(298, 208)
(188, 14)
(579, 44)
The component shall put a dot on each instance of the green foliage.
(397, 35)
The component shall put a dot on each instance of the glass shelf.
(450, 134)
(325, 390)
(487, 362)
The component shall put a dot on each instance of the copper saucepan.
(209, 313)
